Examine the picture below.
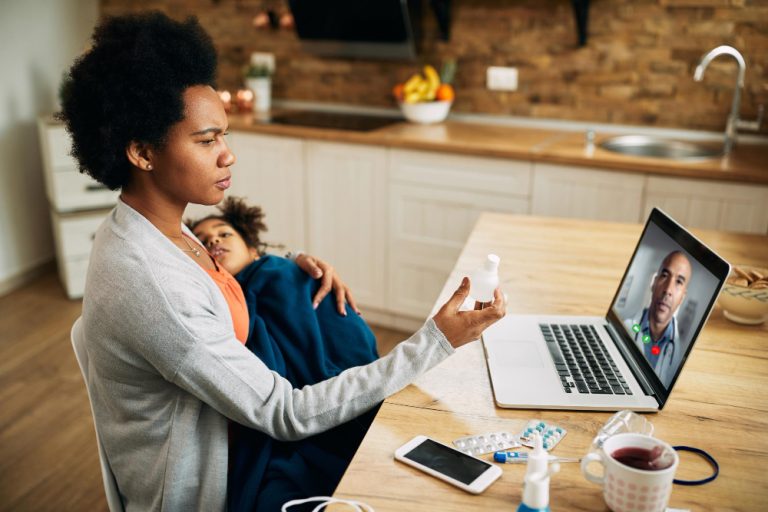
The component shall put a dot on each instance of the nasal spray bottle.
(484, 281)
(536, 484)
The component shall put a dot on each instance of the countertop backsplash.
(636, 68)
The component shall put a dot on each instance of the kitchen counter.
(748, 162)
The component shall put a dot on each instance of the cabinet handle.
(96, 186)
(93, 236)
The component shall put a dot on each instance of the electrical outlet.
(501, 79)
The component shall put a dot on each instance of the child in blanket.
(302, 341)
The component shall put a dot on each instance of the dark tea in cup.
(646, 459)
(638, 471)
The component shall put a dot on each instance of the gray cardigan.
(167, 372)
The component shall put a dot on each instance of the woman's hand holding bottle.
(461, 327)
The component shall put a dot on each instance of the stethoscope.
(665, 350)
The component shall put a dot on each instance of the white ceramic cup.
(627, 489)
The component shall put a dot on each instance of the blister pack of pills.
(550, 434)
(486, 443)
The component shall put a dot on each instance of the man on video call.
(655, 327)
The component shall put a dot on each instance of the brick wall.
(637, 66)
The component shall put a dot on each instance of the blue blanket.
(305, 346)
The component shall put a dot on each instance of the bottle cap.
(538, 459)
(491, 263)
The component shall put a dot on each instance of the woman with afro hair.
(163, 324)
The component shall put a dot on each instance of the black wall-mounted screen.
(354, 28)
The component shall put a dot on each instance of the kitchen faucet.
(733, 122)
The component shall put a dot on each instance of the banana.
(433, 82)
(412, 83)
(418, 88)
(412, 97)
(423, 90)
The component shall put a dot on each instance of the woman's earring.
(149, 167)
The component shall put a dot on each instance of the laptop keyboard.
(581, 360)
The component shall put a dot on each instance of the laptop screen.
(665, 297)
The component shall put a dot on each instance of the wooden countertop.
(747, 163)
(561, 266)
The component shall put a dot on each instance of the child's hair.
(248, 221)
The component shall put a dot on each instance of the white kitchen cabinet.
(710, 204)
(347, 214)
(67, 188)
(73, 234)
(575, 192)
(269, 172)
(393, 221)
(77, 203)
(434, 202)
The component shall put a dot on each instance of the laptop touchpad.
(528, 355)
(518, 353)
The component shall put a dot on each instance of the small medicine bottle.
(537, 478)
(485, 280)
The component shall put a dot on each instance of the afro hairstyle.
(129, 87)
(248, 221)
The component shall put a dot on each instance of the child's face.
(225, 244)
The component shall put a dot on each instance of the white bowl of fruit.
(426, 112)
(427, 98)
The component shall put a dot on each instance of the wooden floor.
(48, 457)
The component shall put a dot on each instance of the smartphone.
(448, 464)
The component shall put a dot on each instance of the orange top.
(233, 294)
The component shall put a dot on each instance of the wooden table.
(573, 267)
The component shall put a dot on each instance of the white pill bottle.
(485, 279)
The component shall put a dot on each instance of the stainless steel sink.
(655, 147)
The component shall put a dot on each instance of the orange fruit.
(445, 93)
(397, 92)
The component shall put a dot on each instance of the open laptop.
(631, 357)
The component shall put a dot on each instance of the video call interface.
(663, 300)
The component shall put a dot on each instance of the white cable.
(325, 501)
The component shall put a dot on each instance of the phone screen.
(448, 461)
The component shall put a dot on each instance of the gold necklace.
(193, 250)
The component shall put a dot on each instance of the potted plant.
(258, 78)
